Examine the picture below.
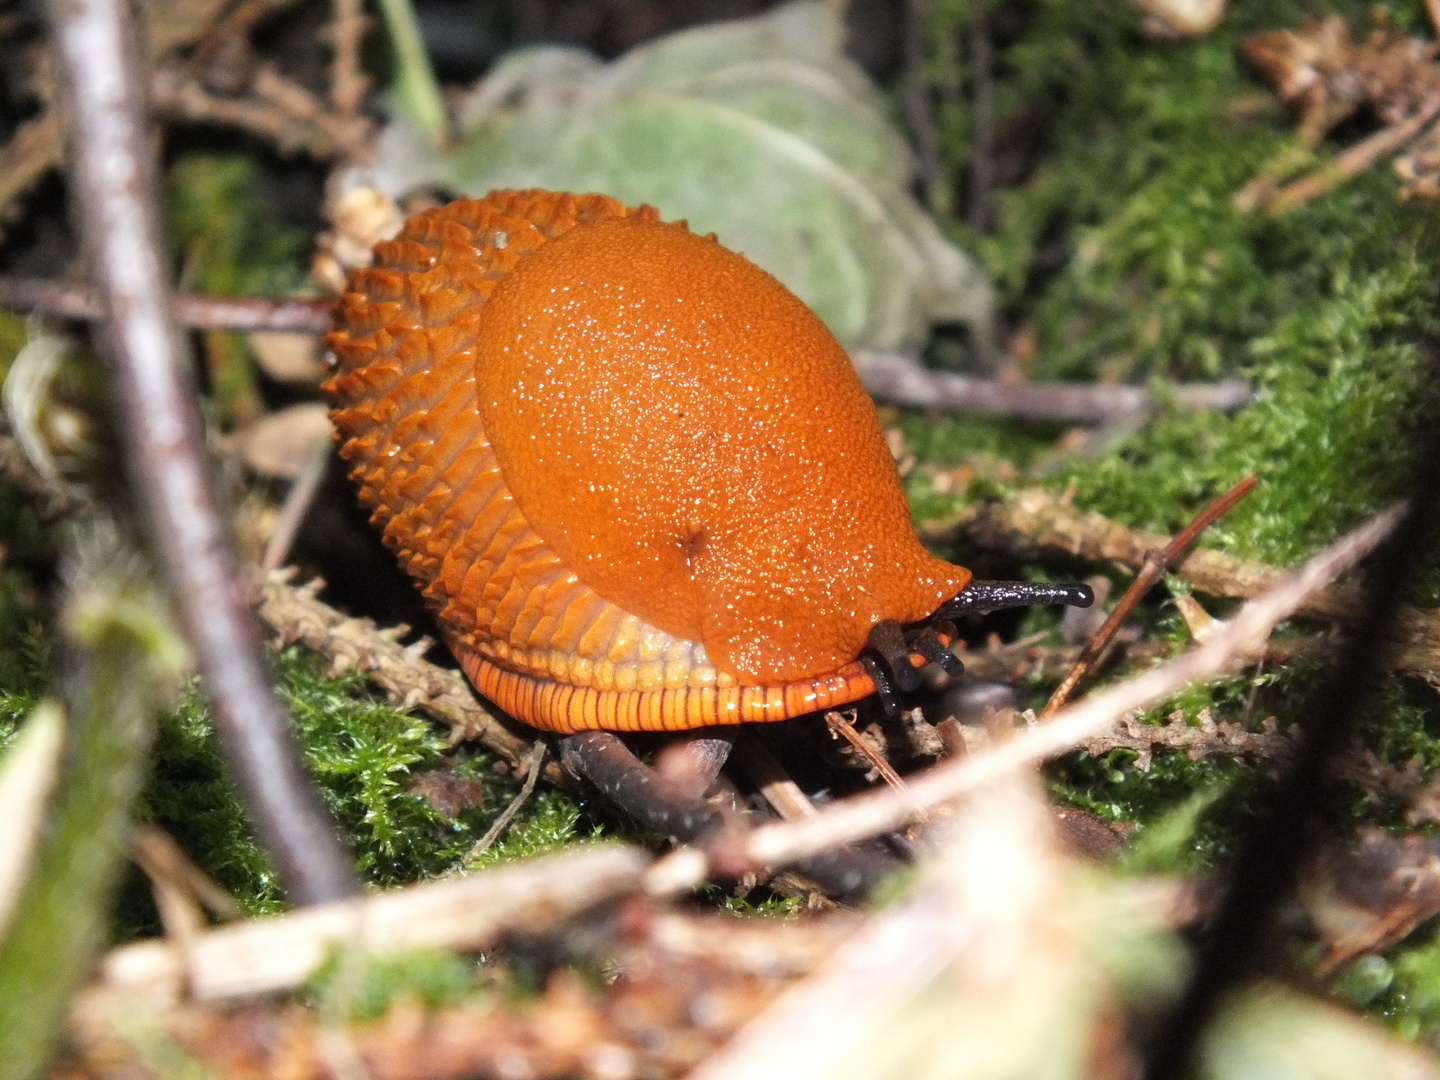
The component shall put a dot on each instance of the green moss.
(550, 821)
(355, 987)
(231, 239)
(231, 242)
(1410, 998)
(772, 906)
(364, 754)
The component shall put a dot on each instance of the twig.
(1155, 564)
(1352, 161)
(163, 437)
(896, 377)
(1282, 834)
(882, 810)
(840, 725)
(277, 109)
(919, 113)
(1207, 737)
(74, 300)
(294, 508)
(1036, 522)
(160, 856)
(36, 147)
(779, 790)
(902, 379)
(265, 955)
(294, 613)
(982, 145)
(532, 774)
(1432, 9)
(347, 82)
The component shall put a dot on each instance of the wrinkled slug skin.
(637, 479)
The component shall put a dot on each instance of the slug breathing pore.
(636, 478)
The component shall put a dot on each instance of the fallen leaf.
(280, 443)
(287, 357)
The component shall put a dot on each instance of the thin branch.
(276, 108)
(348, 82)
(75, 300)
(902, 379)
(895, 377)
(532, 774)
(783, 794)
(36, 147)
(878, 812)
(1352, 161)
(114, 179)
(266, 955)
(841, 726)
(293, 510)
(1156, 563)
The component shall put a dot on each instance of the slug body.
(637, 479)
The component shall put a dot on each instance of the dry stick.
(839, 725)
(1156, 563)
(33, 150)
(74, 300)
(1283, 832)
(1355, 160)
(532, 774)
(982, 152)
(166, 858)
(780, 791)
(896, 377)
(347, 83)
(294, 508)
(1432, 8)
(885, 809)
(295, 613)
(900, 378)
(278, 952)
(113, 173)
(919, 113)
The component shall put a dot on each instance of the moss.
(364, 754)
(230, 238)
(549, 821)
(355, 987)
(231, 242)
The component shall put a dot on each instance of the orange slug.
(636, 478)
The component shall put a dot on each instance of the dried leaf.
(279, 444)
(287, 357)
(1329, 78)
(1170, 19)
